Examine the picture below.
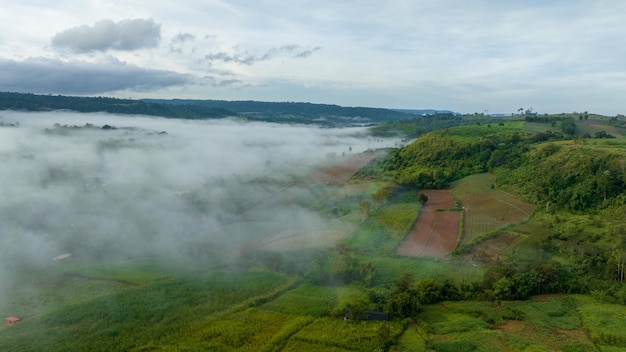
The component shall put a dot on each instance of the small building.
(380, 316)
(12, 320)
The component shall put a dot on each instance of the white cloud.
(127, 35)
(406, 49)
(42, 75)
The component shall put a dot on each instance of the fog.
(183, 190)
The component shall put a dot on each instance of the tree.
(381, 196)
(356, 310)
(422, 198)
(364, 209)
(619, 261)
(429, 291)
(404, 302)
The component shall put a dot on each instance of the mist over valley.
(107, 187)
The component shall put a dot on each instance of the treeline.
(297, 112)
(417, 126)
(33, 102)
(570, 178)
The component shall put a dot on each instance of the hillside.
(519, 244)
(297, 112)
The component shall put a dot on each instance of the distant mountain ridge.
(327, 115)
(34, 102)
(424, 112)
(298, 112)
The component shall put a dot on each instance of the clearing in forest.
(437, 227)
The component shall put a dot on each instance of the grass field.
(471, 132)
(548, 324)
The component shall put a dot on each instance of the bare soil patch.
(436, 230)
(491, 249)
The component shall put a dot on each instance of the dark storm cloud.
(41, 75)
(126, 35)
(293, 51)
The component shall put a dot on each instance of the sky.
(468, 56)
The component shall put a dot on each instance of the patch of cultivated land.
(436, 229)
(343, 170)
(487, 209)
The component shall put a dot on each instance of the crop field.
(436, 230)
(348, 335)
(136, 315)
(384, 229)
(487, 209)
(304, 300)
(544, 324)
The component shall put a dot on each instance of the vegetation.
(550, 277)
(32, 102)
(294, 112)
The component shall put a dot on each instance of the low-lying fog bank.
(106, 186)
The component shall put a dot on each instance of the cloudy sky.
(467, 56)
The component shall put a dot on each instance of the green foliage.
(294, 112)
(567, 178)
(604, 322)
(32, 102)
(403, 302)
(436, 159)
(415, 127)
(454, 346)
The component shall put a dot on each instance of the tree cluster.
(568, 178)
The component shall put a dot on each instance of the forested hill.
(298, 112)
(33, 102)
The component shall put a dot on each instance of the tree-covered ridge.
(436, 159)
(568, 177)
(298, 112)
(573, 177)
(33, 102)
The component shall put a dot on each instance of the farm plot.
(487, 209)
(341, 171)
(436, 230)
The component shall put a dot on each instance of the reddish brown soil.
(436, 229)
(342, 170)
